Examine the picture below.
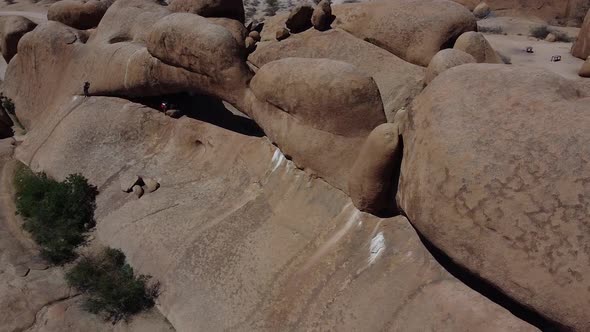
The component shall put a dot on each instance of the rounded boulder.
(12, 28)
(476, 44)
(482, 10)
(445, 59)
(81, 15)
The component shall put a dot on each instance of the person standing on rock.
(86, 89)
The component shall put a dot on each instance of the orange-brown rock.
(79, 14)
(318, 120)
(371, 181)
(414, 30)
(581, 47)
(238, 227)
(12, 29)
(398, 81)
(475, 44)
(445, 59)
(494, 174)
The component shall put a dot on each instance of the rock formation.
(371, 181)
(271, 203)
(299, 19)
(475, 44)
(12, 29)
(322, 16)
(398, 81)
(444, 60)
(79, 14)
(414, 30)
(581, 48)
(482, 10)
(500, 193)
(318, 121)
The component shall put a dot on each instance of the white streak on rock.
(377, 246)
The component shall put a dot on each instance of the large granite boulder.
(318, 111)
(12, 29)
(79, 14)
(581, 48)
(495, 174)
(398, 81)
(414, 30)
(233, 9)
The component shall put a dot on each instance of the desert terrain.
(388, 165)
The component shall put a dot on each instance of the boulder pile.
(364, 113)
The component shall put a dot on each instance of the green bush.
(112, 287)
(57, 214)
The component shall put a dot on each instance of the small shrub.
(111, 286)
(491, 29)
(57, 214)
(562, 36)
(7, 104)
(539, 31)
(272, 6)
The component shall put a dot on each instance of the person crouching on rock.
(86, 89)
(164, 107)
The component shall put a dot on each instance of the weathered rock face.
(475, 44)
(190, 42)
(371, 182)
(319, 121)
(414, 30)
(35, 297)
(581, 48)
(242, 239)
(233, 9)
(12, 28)
(501, 194)
(398, 81)
(79, 14)
(445, 59)
(122, 58)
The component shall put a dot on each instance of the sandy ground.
(514, 46)
(521, 25)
